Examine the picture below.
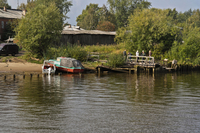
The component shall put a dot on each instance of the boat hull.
(70, 70)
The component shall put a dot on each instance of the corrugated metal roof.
(98, 32)
(11, 13)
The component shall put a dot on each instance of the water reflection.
(101, 103)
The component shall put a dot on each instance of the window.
(2, 24)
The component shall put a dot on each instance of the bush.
(75, 51)
(115, 60)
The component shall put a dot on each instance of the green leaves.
(122, 9)
(4, 3)
(39, 28)
(147, 28)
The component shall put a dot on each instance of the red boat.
(69, 65)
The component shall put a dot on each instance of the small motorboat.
(48, 68)
(69, 65)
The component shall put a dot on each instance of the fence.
(140, 59)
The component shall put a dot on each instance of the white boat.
(48, 68)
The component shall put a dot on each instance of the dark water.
(110, 103)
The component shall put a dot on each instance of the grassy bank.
(111, 53)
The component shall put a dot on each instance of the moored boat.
(47, 68)
(69, 65)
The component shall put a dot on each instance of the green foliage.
(115, 60)
(62, 5)
(39, 28)
(189, 51)
(4, 3)
(122, 9)
(106, 16)
(89, 18)
(29, 5)
(103, 49)
(106, 26)
(157, 51)
(147, 28)
(94, 15)
(75, 51)
(194, 18)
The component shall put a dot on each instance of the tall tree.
(89, 18)
(106, 26)
(94, 15)
(4, 3)
(39, 28)
(194, 19)
(148, 28)
(63, 5)
(106, 15)
(124, 8)
(29, 5)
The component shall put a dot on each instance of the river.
(106, 103)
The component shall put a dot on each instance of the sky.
(79, 5)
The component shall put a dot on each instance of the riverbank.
(10, 67)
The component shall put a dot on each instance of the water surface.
(107, 103)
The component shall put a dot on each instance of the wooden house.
(76, 35)
(7, 15)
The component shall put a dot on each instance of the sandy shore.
(20, 67)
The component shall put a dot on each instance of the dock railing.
(140, 59)
(93, 55)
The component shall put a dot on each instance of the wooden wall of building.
(87, 39)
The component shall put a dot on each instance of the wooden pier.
(132, 64)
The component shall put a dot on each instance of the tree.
(194, 18)
(122, 9)
(63, 6)
(106, 26)
(89, 18)
(93, 16)
(29, 5)
(39, 28)
(106, 15)
(4, 3)
(148, 28)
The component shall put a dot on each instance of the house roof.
(77, 30)
(11, 13)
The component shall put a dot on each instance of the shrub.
(75, 51)
(115, 60)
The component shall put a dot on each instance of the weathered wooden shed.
(87, 37)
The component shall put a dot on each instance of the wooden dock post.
(99, 70)
(136, 69)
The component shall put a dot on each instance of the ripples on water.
(114, 103)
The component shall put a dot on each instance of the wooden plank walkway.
(133, 63)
